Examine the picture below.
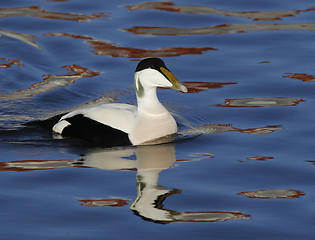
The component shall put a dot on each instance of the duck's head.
(152, 73)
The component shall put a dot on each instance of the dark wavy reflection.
(189, 9)
(101, 47)
(150, 161)
(218, 29)
(36, 11)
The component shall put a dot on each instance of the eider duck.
(118, 124)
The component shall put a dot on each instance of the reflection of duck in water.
(120, 124)
(149, 162)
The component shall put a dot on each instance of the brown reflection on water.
(276, 193)
(301, 76)
(101, 47)
(36, 11)
(11, 62)
(69, 35)
(260, 158)
(26, 38)
(254, 15)
(311, 161)
(51, 82)
(195, 87)
(218, 29)
(261, 102)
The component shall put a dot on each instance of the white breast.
(147, 128)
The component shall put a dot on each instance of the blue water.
(249, 175)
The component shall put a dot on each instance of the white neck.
(146, 82)
(149, 103)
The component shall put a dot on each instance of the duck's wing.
(106, 125)
(117, 115)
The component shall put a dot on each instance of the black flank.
(94, 132)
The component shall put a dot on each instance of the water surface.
(249, 68)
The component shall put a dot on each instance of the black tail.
(47, 124)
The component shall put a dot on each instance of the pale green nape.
(139, 89)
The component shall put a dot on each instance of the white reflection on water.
(149, 162)
(26, 38)
(51, 82)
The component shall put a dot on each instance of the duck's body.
(119, 124)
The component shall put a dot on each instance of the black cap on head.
(154, 63)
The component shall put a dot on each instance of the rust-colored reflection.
(149, 162)
(26, 38)
(102, 48)
(261, 102)
(195, 87)
(254, 15)
(218, 29)
(10, 63)
(109, 49)
(310, 161)
(260, 158)
(69, 35)
(301, 76)
(104, 202)
(36, 11)
(51, 82)
(276, 193)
